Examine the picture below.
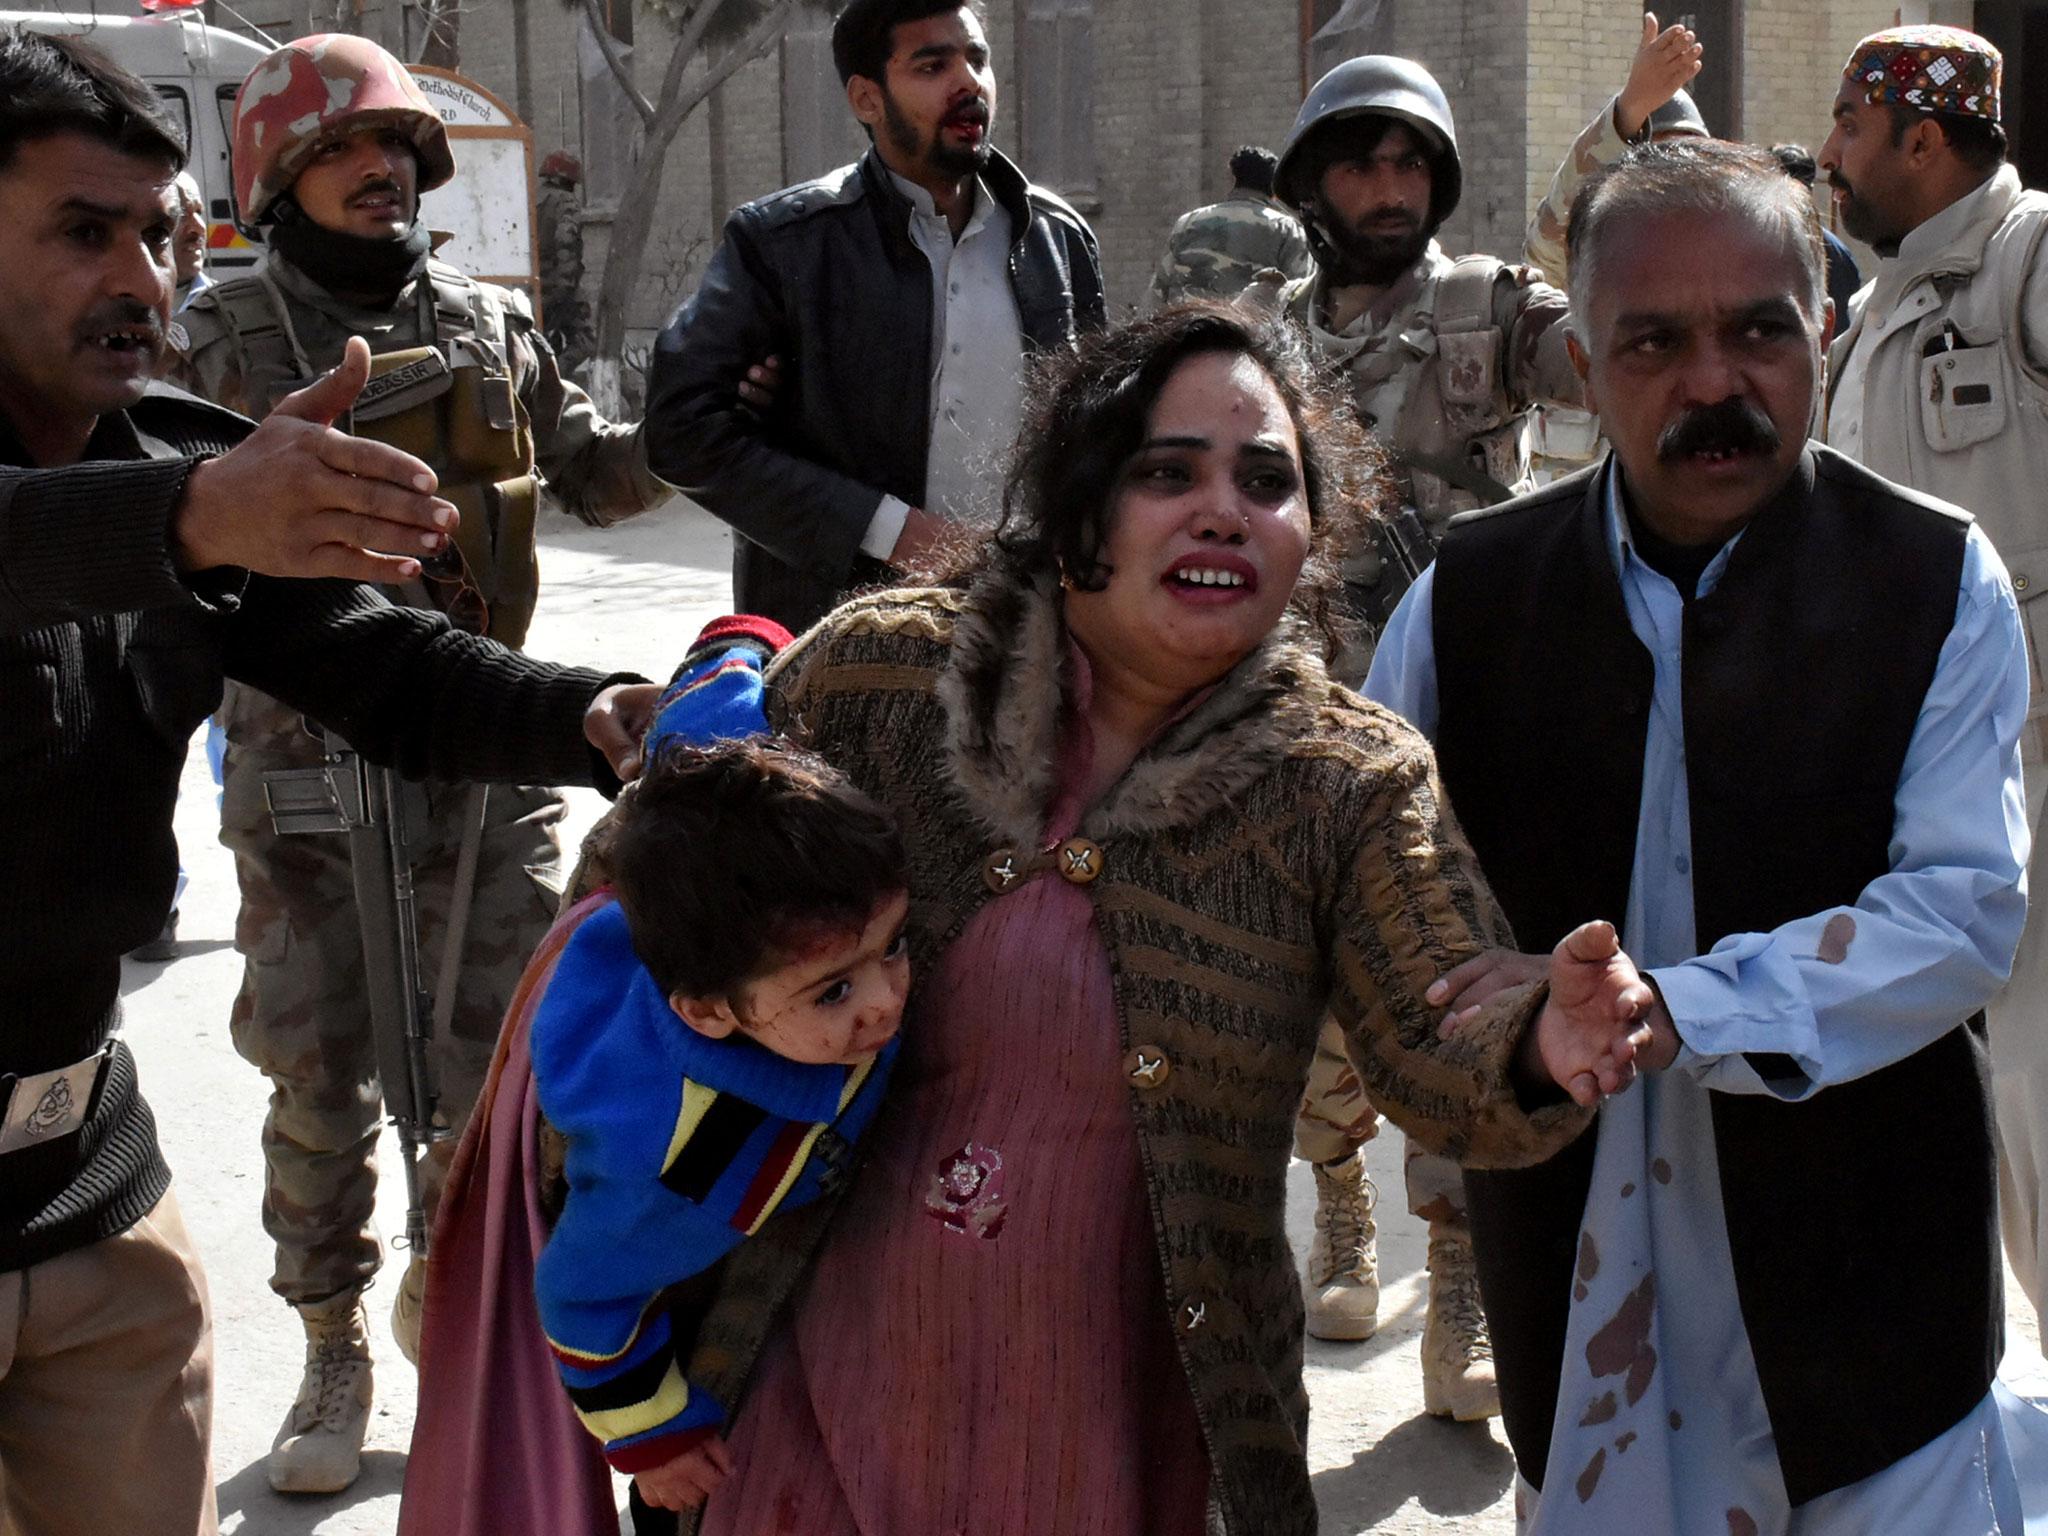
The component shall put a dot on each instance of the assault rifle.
(350, 794)
(1406, 548)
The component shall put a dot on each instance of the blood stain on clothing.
(1621, 1445)
(1740, 1523)
(1677, 1419)
(1600, 1410)
(1589, 1257)
(1627, 1190)
(1579, 1291)
(1626, 1334)
(1661, 1171)
(1623, 1342)
(1590, 1478)
(1835, 939)
(1640, 1370)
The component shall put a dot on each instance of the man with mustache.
(1940, 381)
(901, 296)
(1445, 361)
(145, 538)
(1762, 709)
(333, 146)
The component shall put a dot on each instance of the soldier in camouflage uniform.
(1650, 107)
(1446, 359)
(558, 237)
(333, 144)
(1215, 252)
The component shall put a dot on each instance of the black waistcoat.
(1862, 1221)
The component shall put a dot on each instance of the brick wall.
(1177, 88)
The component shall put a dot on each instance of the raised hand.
(297, 498)
(1597, 1018)
(1665, 62)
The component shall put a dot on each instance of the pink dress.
(984, 1345)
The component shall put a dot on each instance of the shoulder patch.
(835, 189)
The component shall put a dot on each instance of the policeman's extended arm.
(297, 498)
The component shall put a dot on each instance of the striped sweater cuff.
(655, 1450)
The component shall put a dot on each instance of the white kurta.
(977, 366)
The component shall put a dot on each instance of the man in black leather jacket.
(900, 296)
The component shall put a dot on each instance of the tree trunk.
(634, 221)
(631, 225)
(442, 44)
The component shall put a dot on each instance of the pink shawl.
(496, 1449)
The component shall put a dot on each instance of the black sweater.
(109, 660)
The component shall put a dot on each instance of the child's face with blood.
(836, 1000)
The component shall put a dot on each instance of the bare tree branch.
(763, 36)
(608, 46)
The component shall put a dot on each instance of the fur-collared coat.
(1280, 851)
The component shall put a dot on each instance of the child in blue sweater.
(711, 1044)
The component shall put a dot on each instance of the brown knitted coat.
(1282, 850)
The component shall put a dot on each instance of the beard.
(947, 159)
(1864, 222)
(1374, 257)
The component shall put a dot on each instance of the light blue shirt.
(1931, 941)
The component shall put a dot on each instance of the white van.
(197, 69)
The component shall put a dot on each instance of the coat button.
(1079, 860)
(2019, 583)
(1147, 1067)
(1193, 1314)
(1002, 870)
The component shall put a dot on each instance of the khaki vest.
(1953, 408)
(1433, 391)
(452, 403)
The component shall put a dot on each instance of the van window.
(224, 99)
(177, 98)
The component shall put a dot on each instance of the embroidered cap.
(1930, 69)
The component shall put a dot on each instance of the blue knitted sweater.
(679, 1147)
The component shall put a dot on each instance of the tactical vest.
(1429, 386)
(452, 403)
(1481, 454)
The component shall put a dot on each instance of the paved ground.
(633, 597)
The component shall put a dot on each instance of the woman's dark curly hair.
(1085, 420)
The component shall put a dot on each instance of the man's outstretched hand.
(1601, 1022)
(616, 724)
(297, 498)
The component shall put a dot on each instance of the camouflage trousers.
(1336, 1120)
(302, 1017)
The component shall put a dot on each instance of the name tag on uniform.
(402, 380)
(49, 1105)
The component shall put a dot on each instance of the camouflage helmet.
(1377, 85)
(305, 88)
